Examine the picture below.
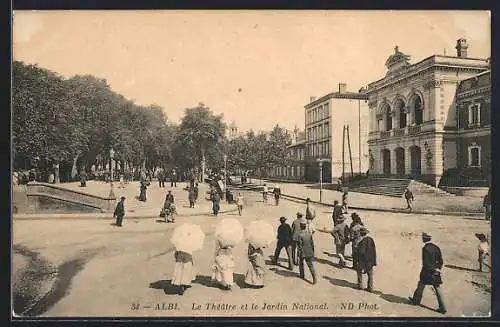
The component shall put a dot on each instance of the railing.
(385, 134)
(400, 132)
(412, 130)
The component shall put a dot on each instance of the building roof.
(433, 61)
(337, 95)
(479, 82)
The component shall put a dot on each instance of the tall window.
(474, 155)
(418, 110)
(402, 116)
(327, 109)
(388, 119)
(474, 115)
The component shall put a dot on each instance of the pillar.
(393, 162)
(57, 178)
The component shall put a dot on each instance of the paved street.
(111, 271)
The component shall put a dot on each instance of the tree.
(200, 133)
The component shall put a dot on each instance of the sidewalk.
(423, 204)
(133, 207)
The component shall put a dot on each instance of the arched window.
(402, 115)
(388, 118)
(418, 110)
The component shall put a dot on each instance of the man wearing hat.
(432, 262)
(355, 235)
(305, 246)
(284, 241)
(340, 234)
(119, 212)
(366, 254)
(295, 236)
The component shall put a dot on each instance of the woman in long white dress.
(255, 273)
(223, 265)
(184, 271)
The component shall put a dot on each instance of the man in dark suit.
(305, 247)
(119, 212)
(338, 212)
(366, 256)
(432, 262)
(284, 241)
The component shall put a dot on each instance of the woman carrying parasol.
(223, 265)
(254, 277)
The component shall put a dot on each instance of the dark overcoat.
(119, 210)
(431, 260)
(366, 253)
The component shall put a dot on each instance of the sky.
(257, 68)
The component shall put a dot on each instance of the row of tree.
(76, 121)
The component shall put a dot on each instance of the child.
(239, 202)
(483, 250)
(183, 271)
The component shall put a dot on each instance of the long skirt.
(142, 196)
(184, 273)
(251, 277)
(223, 270)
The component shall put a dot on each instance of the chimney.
(462, 48)
(311, 99)
(342, 87)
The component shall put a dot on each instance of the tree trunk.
(57, 178)
(203, 164)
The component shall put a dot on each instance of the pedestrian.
(277, 194)
(432, 262)
(487, 205)
(295, 237)
(173, 180)
(345, 194)
(223, 265)
(340, 234)
(122, 180)
(284, 241)
(168, 209)
(83, 178)
(184, 271)
(367, 259)
(409, 199)
(191, 197)
(239, 203)
(254, 277)
(483, 251)
(119, 211)
(196, 190)
(265, 191)
(355, 234)
(305, 246)
(161, 181)
(51, 178)
(338, 212)
(144, 187)
(215, 197)
(310, 211)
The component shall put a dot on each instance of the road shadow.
(284, 273)
(160, 221)
(392, 298)
(461, 268)
(331, 263)
(335, 255)
(207, 281)
(340, 282)
(239, 279)
(66, 272)
(166, 286)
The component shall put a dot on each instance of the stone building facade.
(325, 119)
(412, 112)
(296, 170)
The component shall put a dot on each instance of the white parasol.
(188, 237)
(229, 232)
(260, 233)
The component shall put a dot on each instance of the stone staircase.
(394, 187)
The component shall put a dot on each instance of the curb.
(422, 212)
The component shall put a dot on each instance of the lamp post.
(320, 163)
(225, 172)
(111, 155)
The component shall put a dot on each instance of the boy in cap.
(409, 199)
(284, 241)
(119, 212)
(432, 262)
(340, 234)
(366, 254)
